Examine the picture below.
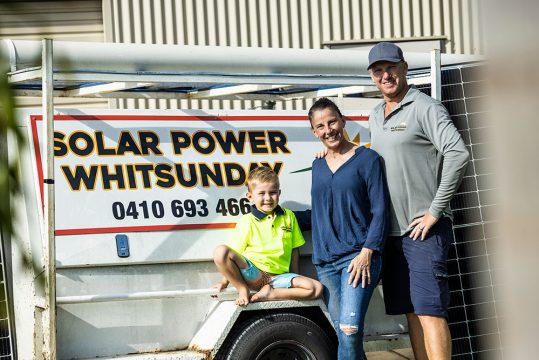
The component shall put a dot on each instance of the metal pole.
(436, 74)
(49, 326)
(340, 99)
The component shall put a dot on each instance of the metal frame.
(49, 336)
(210, 86)
(93, 70)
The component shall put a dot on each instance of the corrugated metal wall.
(287, 24)
(70, 20)
(79, 20)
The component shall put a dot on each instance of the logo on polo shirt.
(400, 127)
(287, 227)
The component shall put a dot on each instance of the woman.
(349, 223)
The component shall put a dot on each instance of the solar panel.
(473, 317)
(6, 350)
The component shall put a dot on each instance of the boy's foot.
(263, 294)
(243, 297)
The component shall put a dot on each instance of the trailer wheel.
(282, 336)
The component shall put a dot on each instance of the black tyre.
(279, 336)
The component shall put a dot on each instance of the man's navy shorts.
(415, 278)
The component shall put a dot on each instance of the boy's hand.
(220, 287)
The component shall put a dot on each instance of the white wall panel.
(63, 20)
(75, 20)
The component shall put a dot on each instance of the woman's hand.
(360, 268)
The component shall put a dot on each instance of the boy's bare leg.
(303, 288)
(228, 263)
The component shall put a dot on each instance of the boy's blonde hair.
(261, 174)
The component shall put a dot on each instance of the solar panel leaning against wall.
(474, 311)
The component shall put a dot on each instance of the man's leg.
(228, 263)
(397, 297)
(429, 290)
(416, 337)
(437, 337)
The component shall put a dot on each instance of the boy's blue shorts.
(253, 275)
(415, 277)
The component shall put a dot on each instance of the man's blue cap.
(385, 51)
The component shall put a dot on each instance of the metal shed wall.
(287, 24)
(73, 20)
(79, 20)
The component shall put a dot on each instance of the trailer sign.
(173, 172)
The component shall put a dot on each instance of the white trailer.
(121, 209)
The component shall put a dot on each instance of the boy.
(262, 253)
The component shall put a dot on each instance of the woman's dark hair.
(321, 104)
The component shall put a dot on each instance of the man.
(425, 159)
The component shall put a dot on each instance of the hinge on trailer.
(40, 302)
(48, 181)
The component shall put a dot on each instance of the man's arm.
(445, 137)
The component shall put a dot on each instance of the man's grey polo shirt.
(425, 157)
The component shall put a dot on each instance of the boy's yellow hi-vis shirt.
(267, 240)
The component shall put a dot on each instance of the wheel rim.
(285, 350)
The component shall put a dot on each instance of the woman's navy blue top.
(349, 207)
